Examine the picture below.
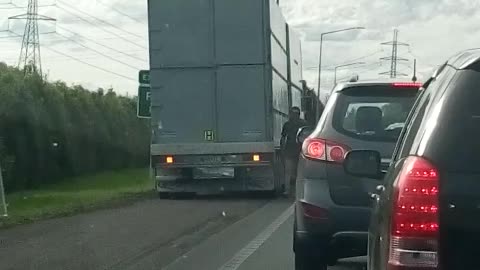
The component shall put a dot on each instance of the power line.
(88, 64)
(91, 65)
(331, 67)
(364, 70)
(103, 29)
(374, 66)
(18, 36)
(120, 12)
(124, 53)
(57, 58)
(83, 56)
(100, 44)
(9, 37)
(98, 19)
(355, 59)
(18, 7)
(98, 52)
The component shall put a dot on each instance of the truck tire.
(176, 195)
(164, 195)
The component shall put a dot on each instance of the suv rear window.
(375, 113)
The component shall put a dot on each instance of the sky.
(78, 47)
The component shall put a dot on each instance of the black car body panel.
(443, 128)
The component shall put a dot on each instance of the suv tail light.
(321, 149)
(314, 212)
(414, 227)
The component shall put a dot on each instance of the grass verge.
(77, 195)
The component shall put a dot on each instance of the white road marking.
(236, 261)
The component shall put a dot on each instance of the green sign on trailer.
(144, 102)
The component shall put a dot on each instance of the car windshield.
(373, 113)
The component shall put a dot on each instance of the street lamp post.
(320, 60)
(346, 65)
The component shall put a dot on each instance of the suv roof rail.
(465, 59)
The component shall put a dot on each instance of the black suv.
(332, 210)
(427, 207)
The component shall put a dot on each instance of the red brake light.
(414, 227)
(324, 150)
(315, 149)
(337, 153)
(407, 84)
(314, 212)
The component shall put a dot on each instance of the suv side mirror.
(363, 163)
(303, 133)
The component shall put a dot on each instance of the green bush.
(50, 131)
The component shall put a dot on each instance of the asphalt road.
(216, 234)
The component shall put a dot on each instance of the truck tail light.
(169, 160)
(415, 224)
(256, 158)
(325, 150)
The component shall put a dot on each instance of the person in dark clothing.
(290, 148)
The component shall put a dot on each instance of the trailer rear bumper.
(246, 178)
(214, 187)
(211, 148)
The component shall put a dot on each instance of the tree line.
(50, 131)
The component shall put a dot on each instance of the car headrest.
(369, 118)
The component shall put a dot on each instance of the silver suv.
(332, 207)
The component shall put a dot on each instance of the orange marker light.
(169, 160)
(256, 157)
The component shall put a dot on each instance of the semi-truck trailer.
(223, 75)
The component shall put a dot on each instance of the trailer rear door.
(241, 104)
(183, 105)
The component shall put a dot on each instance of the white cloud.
(435, 29)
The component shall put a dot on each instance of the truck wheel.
(176, 195)
(183, 195)
(164, 195)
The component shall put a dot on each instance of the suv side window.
(407, 123)
(434, 90)
(453, 145)
(413, 126)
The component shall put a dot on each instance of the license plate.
(211, 159)
(213, 173)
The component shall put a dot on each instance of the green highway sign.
(144, 102)
(144, 76)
